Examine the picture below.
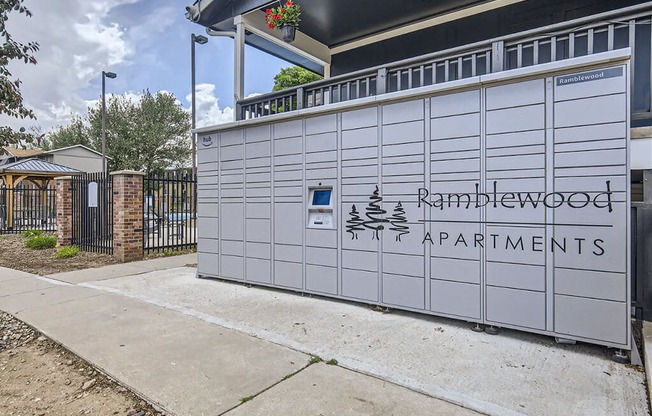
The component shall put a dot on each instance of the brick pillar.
(127, 215)
(64, 210)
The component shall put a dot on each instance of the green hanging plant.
(280, 16)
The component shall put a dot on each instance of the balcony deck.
(625, 28)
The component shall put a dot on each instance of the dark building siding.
(519, 17)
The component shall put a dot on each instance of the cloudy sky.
(146, 42)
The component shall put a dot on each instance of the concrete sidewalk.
(189, 366)
(126, 269)
(198, 347)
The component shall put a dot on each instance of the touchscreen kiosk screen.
(321, 197)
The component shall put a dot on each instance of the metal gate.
(92, 212)
(169, 212)
(27, 207)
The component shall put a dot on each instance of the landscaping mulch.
(14, 255)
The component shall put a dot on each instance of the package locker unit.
(501, 199)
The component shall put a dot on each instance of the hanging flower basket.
(284, 17)
(288, 33)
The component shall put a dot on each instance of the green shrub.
(32, 233)
(39, 242)
(66, 252)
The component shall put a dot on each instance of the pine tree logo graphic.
(398, 221)
(374, 213)
(355, 223)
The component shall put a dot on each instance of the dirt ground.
(38, 377)
(15, 255)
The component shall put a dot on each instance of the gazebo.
(27, 198)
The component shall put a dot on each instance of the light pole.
(201, 40)
(104, 76)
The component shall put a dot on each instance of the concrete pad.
(330, 390)
(163, 263)
(185, 365)
(44, 297)
(125, 269)
(100, 273)
(509, 374)
(11, 274)
(22, 285)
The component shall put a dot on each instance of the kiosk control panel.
(320, 208)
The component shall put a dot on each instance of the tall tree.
(70, 135)
(152, 134)
(292, 77)
(11, 100)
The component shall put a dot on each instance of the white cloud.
(209, 112)
(79, 39)
(155, 22)
(132, 96)
(76, 43)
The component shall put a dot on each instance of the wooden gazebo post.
(37, 171)
(9, 181)
(12, 181)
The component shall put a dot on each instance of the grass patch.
(32, 233)
(40, 242)
(332, 361)
(170, 253)
(314, 360)
(246, 399)
(67, 252)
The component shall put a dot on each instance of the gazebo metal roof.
(37, 167)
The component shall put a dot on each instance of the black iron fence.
(169, 212)
(92, 212)
(27, 207)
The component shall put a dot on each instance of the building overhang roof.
(338, 22)
(75, 146)
(18, 152)
(334, 26)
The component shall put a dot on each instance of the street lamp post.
(201, 40)
(104, 76)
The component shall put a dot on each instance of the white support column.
(239, 64)
(327, 71)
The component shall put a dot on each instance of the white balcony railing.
(624, 28)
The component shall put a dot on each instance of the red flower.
(275, 16)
